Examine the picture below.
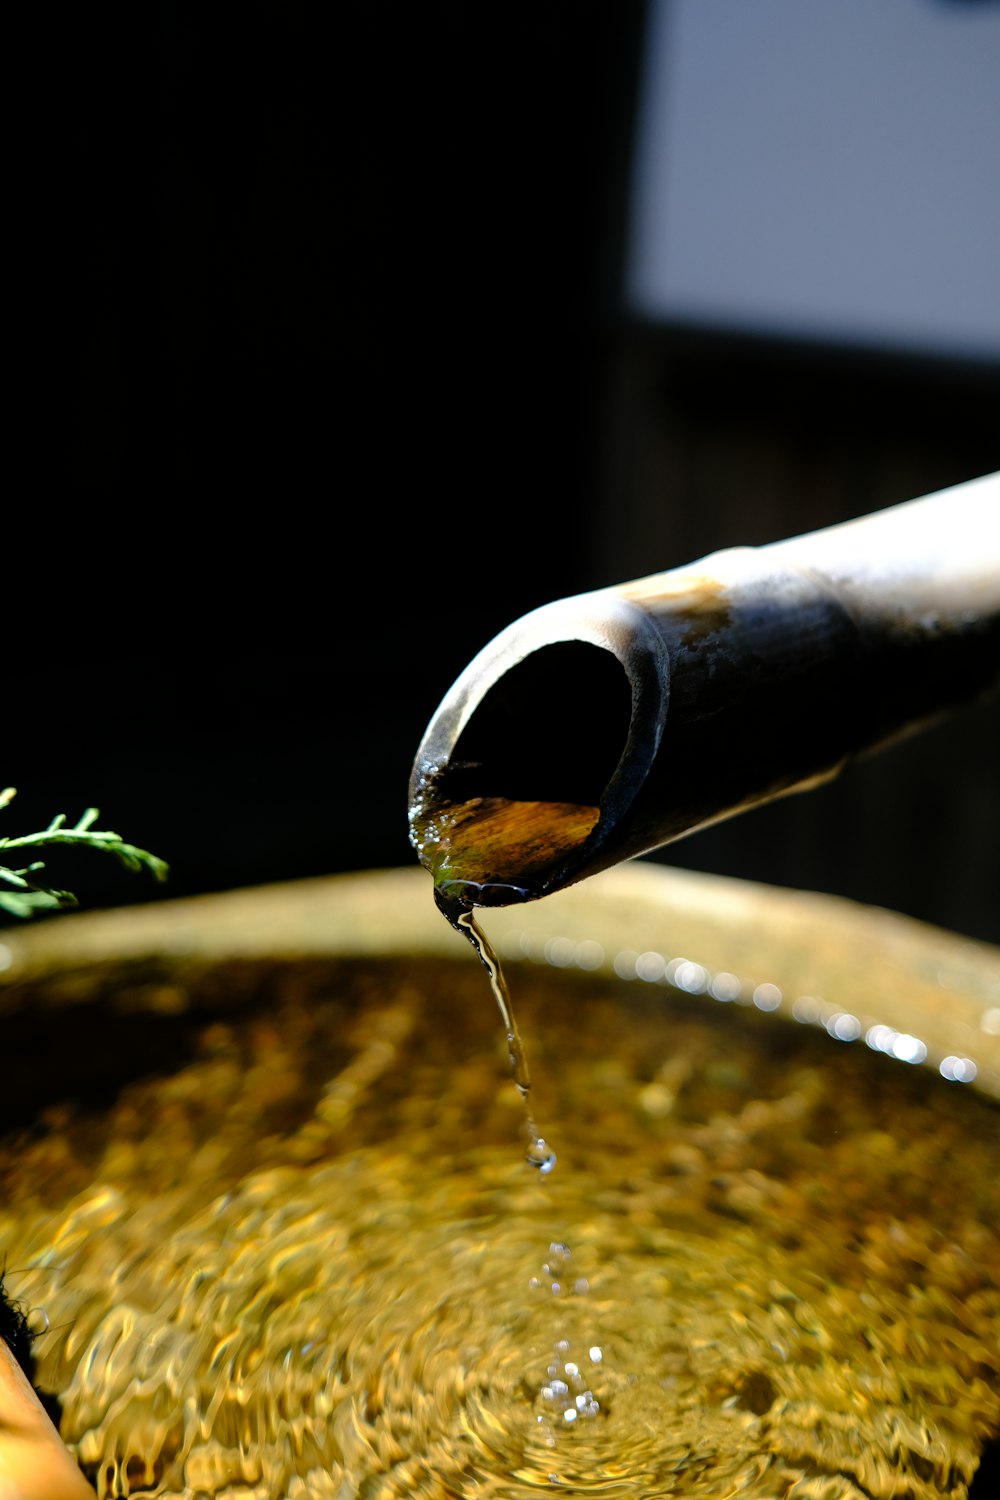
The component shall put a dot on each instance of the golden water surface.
(305, 1257)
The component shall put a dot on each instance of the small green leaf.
(28, 896)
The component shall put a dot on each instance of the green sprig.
(22, 896)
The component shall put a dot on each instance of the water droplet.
(541, 1155)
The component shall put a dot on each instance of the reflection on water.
(312, 1262)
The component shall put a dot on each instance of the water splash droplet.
(541, 1155)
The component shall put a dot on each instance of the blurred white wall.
(822, 170)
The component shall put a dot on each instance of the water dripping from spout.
(538, 1152)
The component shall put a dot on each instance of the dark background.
(325, 378)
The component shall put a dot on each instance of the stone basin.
(263, 1184)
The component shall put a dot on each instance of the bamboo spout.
(604, 726)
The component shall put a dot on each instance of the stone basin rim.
(876, 966)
